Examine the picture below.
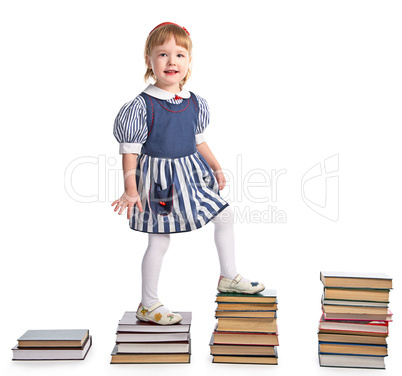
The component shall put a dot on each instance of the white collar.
(158, 93)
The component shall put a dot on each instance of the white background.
(289, 84)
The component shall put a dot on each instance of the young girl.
(171, 178)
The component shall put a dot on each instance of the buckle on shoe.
(236, 280)
(154, 306)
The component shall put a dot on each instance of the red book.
(360, 327)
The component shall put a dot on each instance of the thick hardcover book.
(219, 349)
(351, 338)
(358, 317)
(130, 358)
(260, 314)
(266, 296)
(358, 310)
(151, 337)
(222, 306)
(356, 279)
(352, 349)
(362, 295)
(154, 348)
(54, 338)
(351, 361)
(353, 303)
(251, 325)
(247, 359)
(370, 328)
(129, 323)
(244, 338)
(52, 353)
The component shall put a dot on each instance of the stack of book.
(354, 323)
(246, 331)
(63, 344)
(145, 342)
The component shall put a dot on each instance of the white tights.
(158, 244)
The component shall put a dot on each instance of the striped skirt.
(177, 195)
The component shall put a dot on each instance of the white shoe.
(149, 314)
(238, 286)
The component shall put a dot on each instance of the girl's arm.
(129, 165)
(206, 152)
(130, 196)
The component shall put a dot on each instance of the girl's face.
(170, 63)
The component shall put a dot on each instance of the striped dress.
(176, 185)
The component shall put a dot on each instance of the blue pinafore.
(176, 185)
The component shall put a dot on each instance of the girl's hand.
(127, 201)
(220, 178)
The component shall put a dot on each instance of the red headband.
(169, 23)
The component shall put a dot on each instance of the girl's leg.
(230, 280)
(158, 244)
(224, 241)
(150, 309)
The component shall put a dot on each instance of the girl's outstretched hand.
(220, 178)
(127, 201)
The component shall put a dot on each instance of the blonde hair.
(159, 36)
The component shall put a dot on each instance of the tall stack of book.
(246, 331)
(145, 342)
(354, 323)
(61, 344)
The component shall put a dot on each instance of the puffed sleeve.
(203, 120)
(130, 126)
